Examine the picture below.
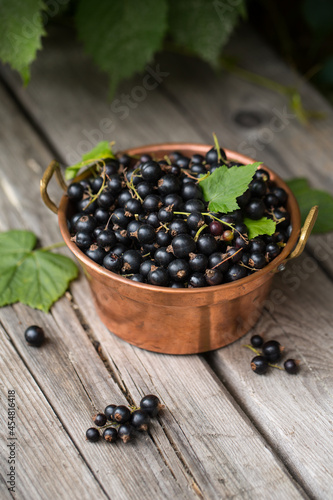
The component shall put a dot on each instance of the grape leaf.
(261, 226)
(34, 277)
(203, 27)
(122, 36)
(307, 198)
(102, 151)
(21, 29)
(222, 188)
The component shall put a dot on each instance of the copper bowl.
(178, 321)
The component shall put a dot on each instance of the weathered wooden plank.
(203, 459)
(294, 412)
(46, 462)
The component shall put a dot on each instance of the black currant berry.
(272, 350)
(151, 405)
(163, 238)
(152, 203)
(257, 245)
(113, 262)
(162, 257)
(110, 434)
(99, 419)
(75, 191)
(34, 335)
(236, 272)
(125, 432)
(255, 209)
(179, 270)
(178, 226)
(195, 221)
(146, 234)
(133, 206)
(132, 260)
(158, 276)
(206, 244)
(93, 434)
(291, 366)
(281, 195)
(216, 228)
(214, 277)
(259, 365)
(197, 280)
(109, 411)
(83, 240)
(121, 414)
(257, 260)
(212, 156)
(183, 245)
(86, 223)
(165, 214)
(151, 171)
(106, 238)
(140, 420)
(169, 184)
(96, 254)
(123, 198)
(198, 262)
(272, 251)
(257, 340)
(105, 199)
(194, 205)
(191, 191)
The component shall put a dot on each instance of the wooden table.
(225, 432)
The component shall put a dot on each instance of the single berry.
(83, 240)
(198, 262)
(99, 419)
(106, 238)
(125, 432)
(214, 277)
(197, 280)
(257, 340)
(183, 245)
(272, 350)
(93, 434)
(151, 171)
(291, 366)
(158, 276)
(86, 223)
(257, 260)
(113, 262)
(179, 269)
(139, 420)
(96, 254)
(151, 405)
(121, 414)
(206, 244)
(255, 209)
(195, 221)
(34, 335)
(146, 234)
(75, 191)
(105, 199)
(216, 228)
(259, 365)
(109, 411)
(110, 434)
(162, 257)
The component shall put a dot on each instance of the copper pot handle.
(303, 237)
(54, 167)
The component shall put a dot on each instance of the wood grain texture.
(47, 463)
(207, 455)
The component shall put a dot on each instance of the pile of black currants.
(147, 221)
(271, 352)
(123, 422)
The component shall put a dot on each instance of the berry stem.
(196, 237)
(217, 147)
(167, 159)
(224, 260)
(258, 353)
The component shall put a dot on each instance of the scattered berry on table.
(110, 434)
(257, 340)
(259, 365)
(151, 404)
(109, 411)
(291, 366)
(93, 434)
(140, 420)
(99, 419)
(121, 414)
(34, 335)
(272, 350)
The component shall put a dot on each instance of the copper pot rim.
(189, 148)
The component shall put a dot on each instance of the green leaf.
(203, 27)
(34, 277)
(307, 198)
(222, 188)
(123, 35)
(261, 226)
(21, 29)
(102, 151)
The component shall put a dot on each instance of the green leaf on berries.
(34, 277)
(307, 198)
(21, 29)
(222, 188)
(203, 27)
(121, 36)
(102, 151)
(261, 226)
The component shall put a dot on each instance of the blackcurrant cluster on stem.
(146, 219)
(119, 421)
(271, 352)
